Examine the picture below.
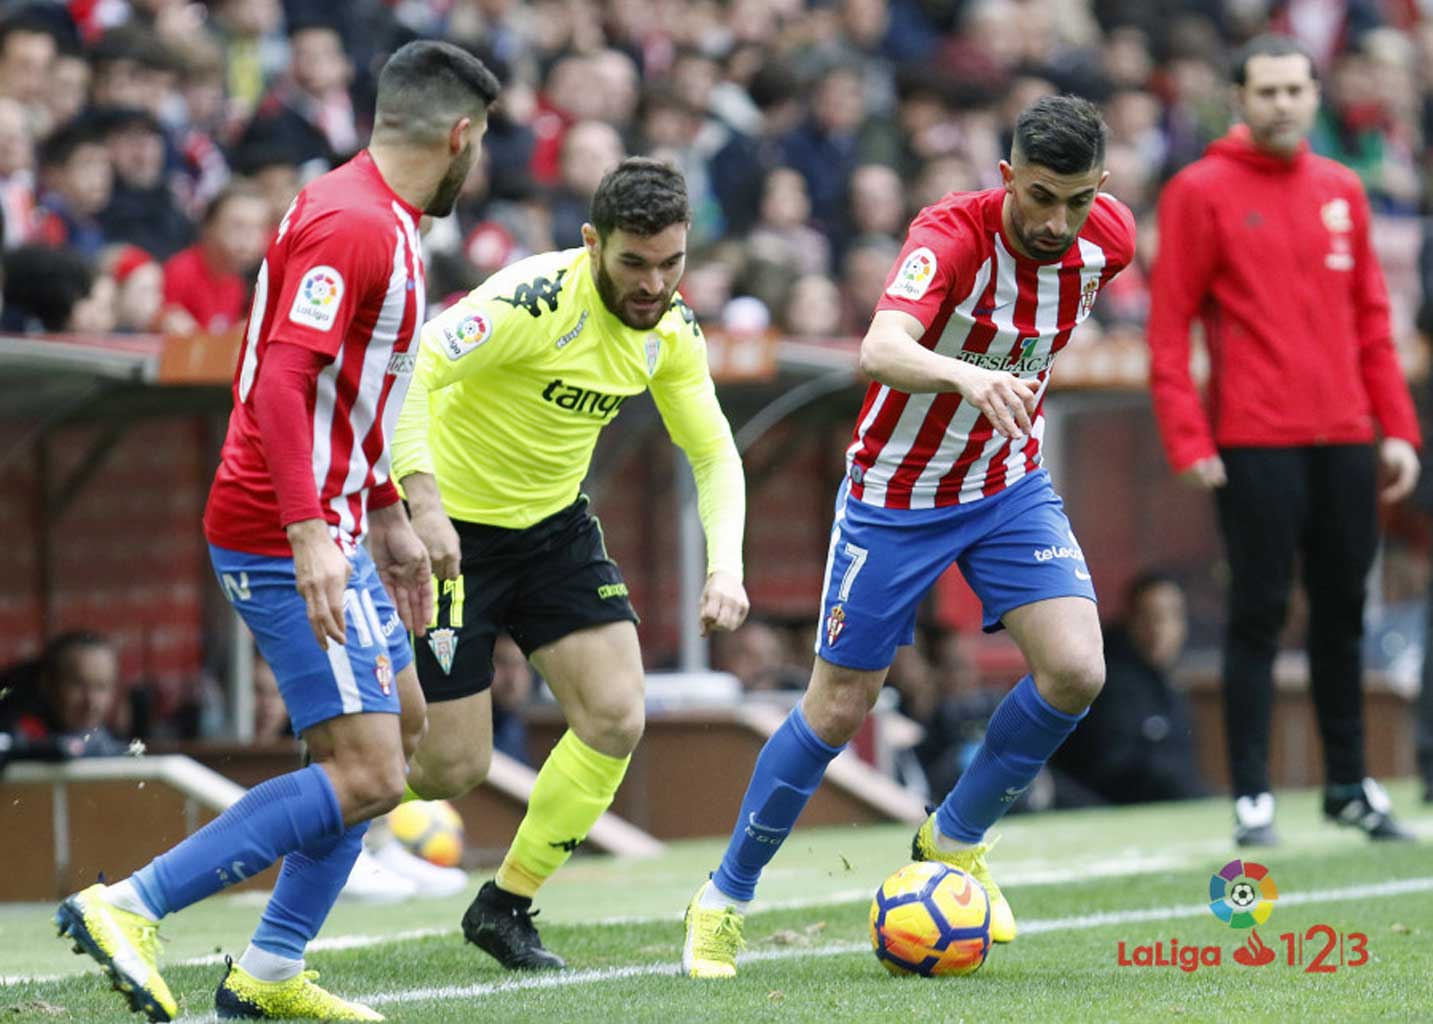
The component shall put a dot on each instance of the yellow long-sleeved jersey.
(514, 383)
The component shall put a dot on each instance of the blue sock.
(1024, 731)
(787, 772)
(307, 888)
(274, 818)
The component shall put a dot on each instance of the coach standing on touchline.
(1268, 245)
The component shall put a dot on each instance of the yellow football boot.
(972, 862)
(713, 940)
(241, 996)
(126, 945)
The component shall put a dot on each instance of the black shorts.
(537, 584)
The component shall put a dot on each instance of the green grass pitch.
(1080, 883)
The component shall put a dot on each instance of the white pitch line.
(569, 978)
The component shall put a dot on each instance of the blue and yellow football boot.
(972, 862)
(126, 945)
(241, 996)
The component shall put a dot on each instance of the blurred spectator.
(44, 287)
(206, 286)
(271, 716)
(823, 149)
(28, 44)
(589, 150)
(203, 167)
(17, 172)
(142, 209)
(310, 110)
(76, 180)
(877, 200)
(512, 690)
(256, 52)
(57, 707)
(132, 69)
(139, 287)
(1136, 745)
(273, 169)
(783, 234)
(813, 308)
(863, 277)
(67, 87)
(756, 654)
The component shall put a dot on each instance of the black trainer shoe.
(1254, 820)
(500, 924)
(1369, 810)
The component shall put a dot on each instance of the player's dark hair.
(426, 85)
(642, 196)
(1064, 133)
(1268, 46)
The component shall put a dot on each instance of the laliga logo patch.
(469, 333)
(319, 295)
(383, 669)
(835, 623)
(915, 275)
(444, 644)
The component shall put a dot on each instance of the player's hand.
(321, 575)
(407, 574)
(1006, 400)
(724, 604)
(1206, 474)
(436, 531)
(1398, 462)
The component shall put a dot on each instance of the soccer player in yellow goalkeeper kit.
(512, 387)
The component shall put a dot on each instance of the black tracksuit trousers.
(1315, 506)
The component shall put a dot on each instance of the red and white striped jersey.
(344, 278)
(981, 303)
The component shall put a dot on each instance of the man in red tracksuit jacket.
(1268, 245)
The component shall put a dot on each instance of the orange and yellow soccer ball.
(431, 829)
(930, 919)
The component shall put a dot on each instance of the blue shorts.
(319, 684)
(1013, 548)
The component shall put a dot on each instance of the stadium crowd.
(148, 148)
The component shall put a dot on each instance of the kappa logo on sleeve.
(915, 275)
(317, 301)
(467, 334)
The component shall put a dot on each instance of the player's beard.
(616, 302)
(446, 196)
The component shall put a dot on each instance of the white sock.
(946, 844)
(268, 966)
(713, 898)
(125, 895)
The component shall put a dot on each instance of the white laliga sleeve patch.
(462, 336)
(915, 275)
(317, 301)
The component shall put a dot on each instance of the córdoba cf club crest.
(444, 644)
(835, 622)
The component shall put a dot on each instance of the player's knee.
(457, 776)
(835, 714)
(614, 726)
(1076, 679)
(372, 788)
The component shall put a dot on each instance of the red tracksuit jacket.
(1274, 257)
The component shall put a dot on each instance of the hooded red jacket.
(1273, 255)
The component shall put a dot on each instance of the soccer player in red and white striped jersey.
(945, 467)
(303, 478)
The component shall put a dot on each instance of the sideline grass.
(810, 962)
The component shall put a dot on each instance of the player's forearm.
(282, 398)
(721, 504)
(422, 492)
(892, 357)
(409, 446)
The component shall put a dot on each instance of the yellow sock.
(574, 787)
